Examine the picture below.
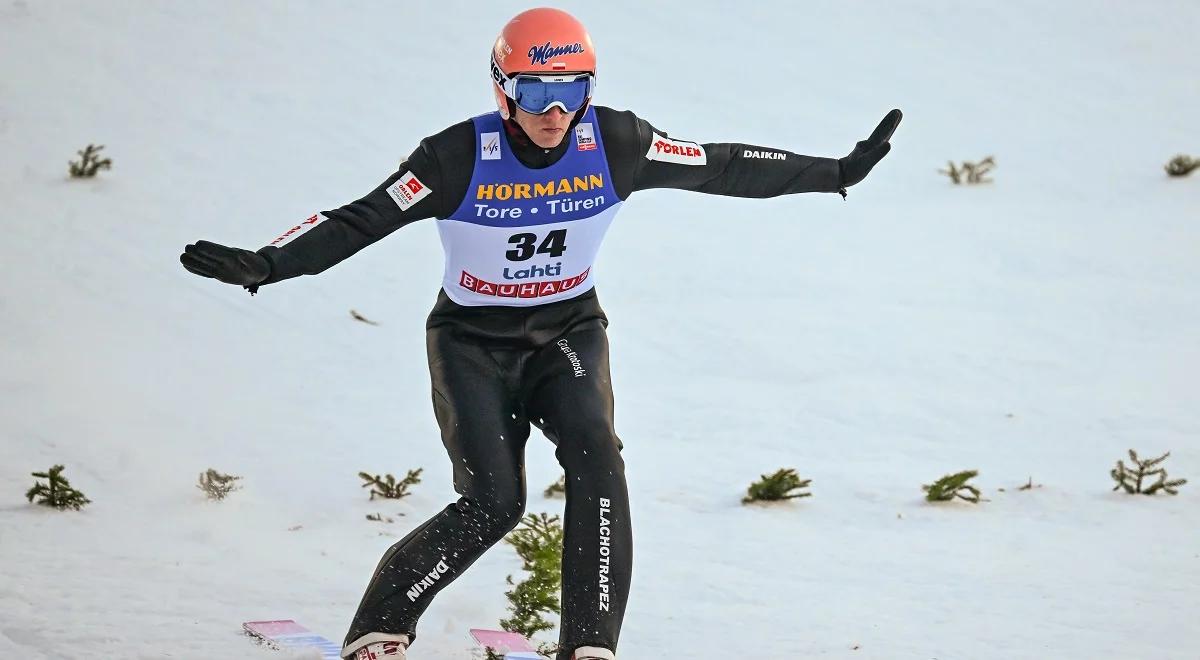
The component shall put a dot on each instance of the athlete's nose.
(556, 113)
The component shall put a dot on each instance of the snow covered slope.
(1037, 326)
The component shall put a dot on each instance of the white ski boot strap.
(594, 653)
(377, 646)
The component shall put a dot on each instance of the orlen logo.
(674, 151)
(408, 190)
(547, 51)
(678, 149)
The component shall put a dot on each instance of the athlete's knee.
(494, 515)
(589, 444)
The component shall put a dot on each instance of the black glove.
(229, 265)
(859, 162)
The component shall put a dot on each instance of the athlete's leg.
(569, 396)
(475, 409)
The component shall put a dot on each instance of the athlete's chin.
(548, 138)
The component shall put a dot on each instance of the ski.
(287, 634)
(508, 645)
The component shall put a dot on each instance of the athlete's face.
(546, 130)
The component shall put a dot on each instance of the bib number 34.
(554, 244)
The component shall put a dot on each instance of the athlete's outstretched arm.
(412, 193)
(648, 158)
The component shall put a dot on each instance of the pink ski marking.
(272, 629)
(501, 641)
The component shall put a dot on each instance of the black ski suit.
(496, 370)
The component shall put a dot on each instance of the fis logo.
(489, 144)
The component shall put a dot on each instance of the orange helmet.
(543, 42)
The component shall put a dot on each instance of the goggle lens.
(536, 96)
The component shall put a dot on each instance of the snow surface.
(1039, 326)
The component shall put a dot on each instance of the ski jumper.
(530, 349)
(517, 337)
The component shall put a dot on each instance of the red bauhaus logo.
(521, 290)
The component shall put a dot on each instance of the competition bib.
(522, 236)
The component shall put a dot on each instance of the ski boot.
(377, 646)
(593, 653)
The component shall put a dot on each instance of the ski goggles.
(537, 93)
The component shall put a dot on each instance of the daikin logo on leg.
(436, 574)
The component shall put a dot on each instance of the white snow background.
(1035, 327)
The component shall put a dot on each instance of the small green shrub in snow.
(954, 486)
(217, 486)
(777, 487)
(538, 540)
(89, 163)
(56, 492)
(386, 486)
(1181, 165)
(1135, 480)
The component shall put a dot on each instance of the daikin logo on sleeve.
(489, 145)
(768, 155)
(408, 190)
(675, 151)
